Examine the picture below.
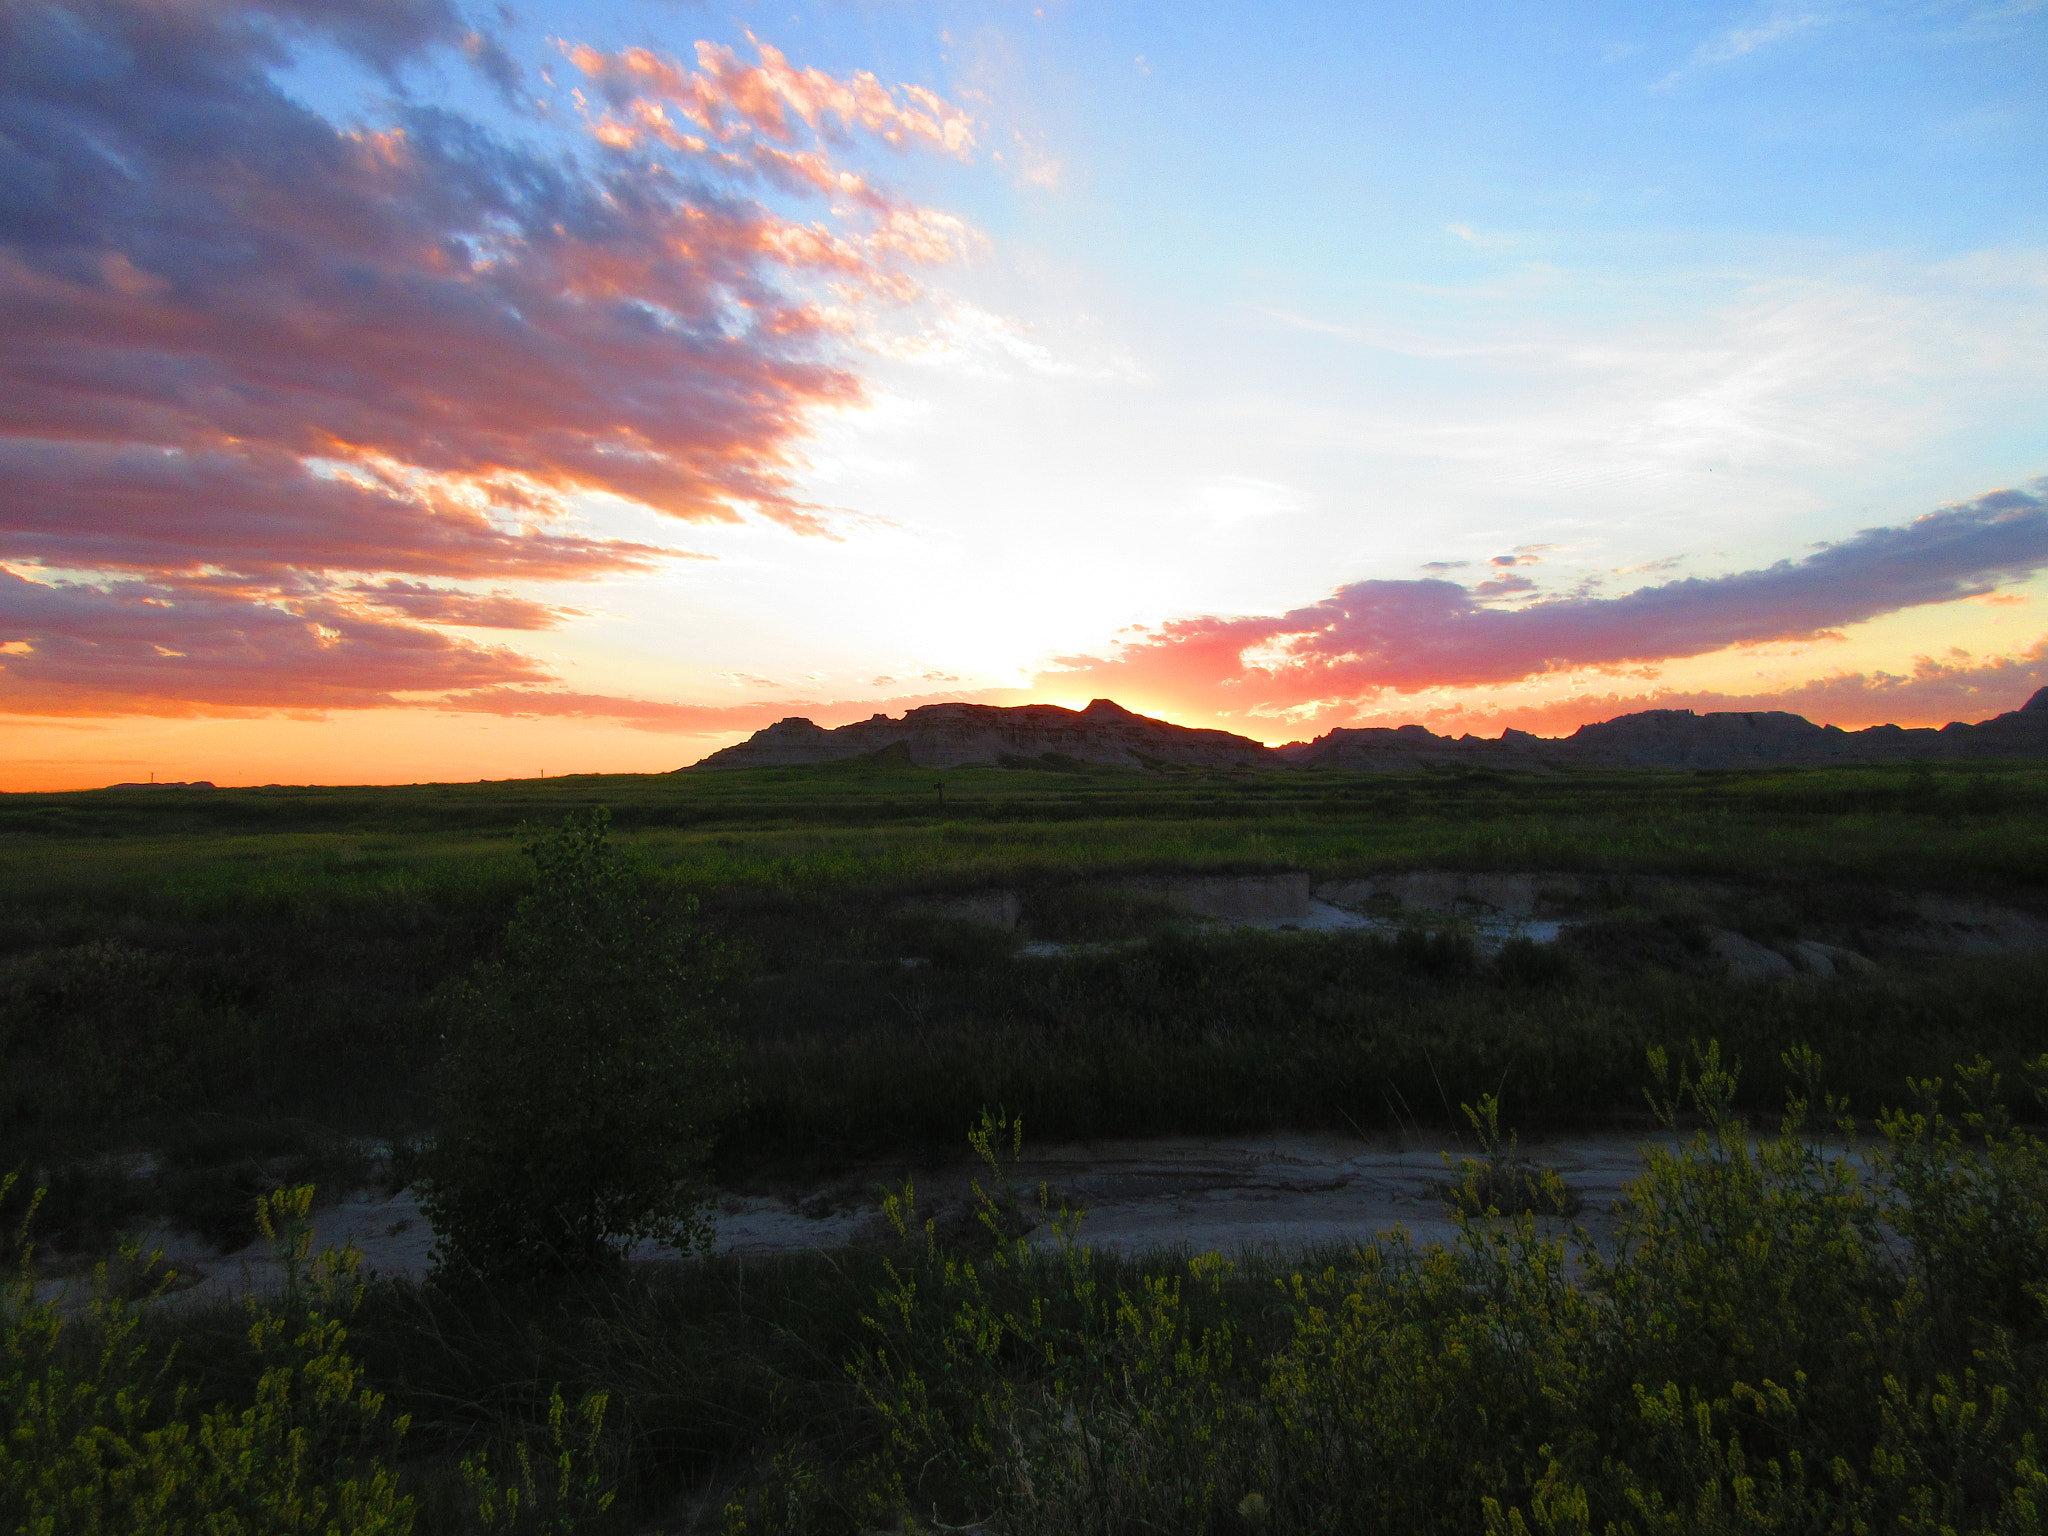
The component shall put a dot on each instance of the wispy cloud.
(1737, 42)
(1818, 371)
(1481, 239)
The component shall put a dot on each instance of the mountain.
(951, 735)
(1678, 738)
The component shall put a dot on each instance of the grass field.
(243, 982)
(271, 954)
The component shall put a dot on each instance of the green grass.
(243, 982)
(859, 824)
(275, 952)
(1260, 1034)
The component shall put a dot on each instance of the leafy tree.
(585, 1074)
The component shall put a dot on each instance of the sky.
(399, 390)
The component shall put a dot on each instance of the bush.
(98, 1434)
(107, 1427)
(1787, 1333)
(585, 1075)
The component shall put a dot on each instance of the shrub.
(1786, 1333)
(98, 1434)
(585, 1074)
(105, 1427)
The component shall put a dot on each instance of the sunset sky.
(395, 391)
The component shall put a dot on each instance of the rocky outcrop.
(954, 735)
(1405, 748)
(1678, 738)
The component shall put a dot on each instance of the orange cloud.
(158, 648)
(731, 101)
(696, 719)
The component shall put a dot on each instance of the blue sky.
(1237, 307)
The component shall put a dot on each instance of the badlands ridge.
(1107, 734)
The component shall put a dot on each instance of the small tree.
(585, 1074)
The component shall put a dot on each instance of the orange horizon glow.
(384, 747)
(694, 386)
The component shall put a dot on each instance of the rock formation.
(953, 735)
(1678, 738)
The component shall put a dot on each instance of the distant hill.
(1047, 736)
(951, 735)
(1678, 738)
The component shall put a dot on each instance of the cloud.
(193, 260)
(1817, 376)
(1373, 636)
(640, 714)
(1483, 240)
(1503, 586)
(112, 506)
(210, 647)
(697, 719)
(968, 339)
(382, 33)
(733, 102)
(240, 340)
(1738, 41)
(469, 610)
(67, 648)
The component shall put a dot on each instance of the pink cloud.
(731, 101)
(103, 506)
(1333, 658)
(237, 339)
(158, 649)
(470, 610)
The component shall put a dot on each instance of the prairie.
(209, 996)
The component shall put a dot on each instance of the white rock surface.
(1746, 959)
